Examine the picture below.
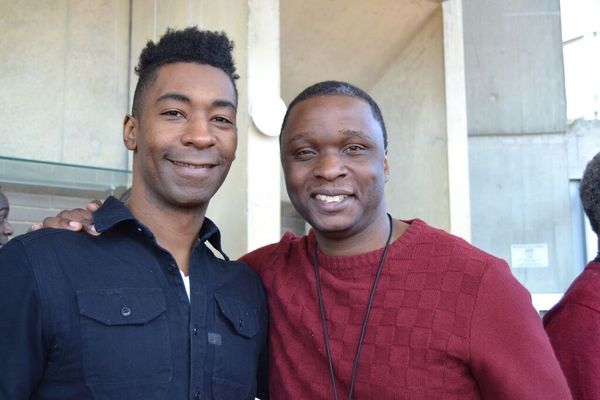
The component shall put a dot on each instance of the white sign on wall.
(529, 255)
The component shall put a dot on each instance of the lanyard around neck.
(365, 321)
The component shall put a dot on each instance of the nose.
(198, 133)
(330, 166)
(7, 228)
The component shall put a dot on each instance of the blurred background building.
(492, 111)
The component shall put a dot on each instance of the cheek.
(372, 178)
(294, 177)
(229, 147)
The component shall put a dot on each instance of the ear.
(130, 130)
(386, 167)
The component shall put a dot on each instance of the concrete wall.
(411, 95)
(60, 62)
(517, 148)
(583, 143)
(520, 195)
(514, 67)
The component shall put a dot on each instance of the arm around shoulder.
(21, 346)
(510, 354)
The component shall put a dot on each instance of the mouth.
(192, 165)
(331, 198)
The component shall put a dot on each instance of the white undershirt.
(186, 283)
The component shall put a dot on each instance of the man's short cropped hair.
(187, 45)
(337, 88)
(589, 191)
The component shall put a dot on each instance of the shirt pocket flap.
(242, 317)
(123, 306)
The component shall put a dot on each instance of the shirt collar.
(113, 212)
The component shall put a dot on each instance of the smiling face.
(6, 229)
(335, 164)
(185, 137)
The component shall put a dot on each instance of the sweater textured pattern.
(574, 329)
(448, 322)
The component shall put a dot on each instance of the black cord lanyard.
(366, 320)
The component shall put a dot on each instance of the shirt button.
(197, 395)
(172, 268)
(125, 311)
(196, 330)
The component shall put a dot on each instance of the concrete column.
(266, 111)
(456, 121)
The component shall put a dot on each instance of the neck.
(175, 229)
(353, 243)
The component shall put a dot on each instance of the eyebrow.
(174, 96)
(354, 133)
(225, 103)
(185, 99)
(301, 136)
(345, 132)
(351, 132)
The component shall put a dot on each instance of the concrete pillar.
(266, 110)
(456, 120)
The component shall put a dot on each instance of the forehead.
(197, 81)
(332, 113)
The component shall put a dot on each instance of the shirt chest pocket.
(236, 354)
(125, 337)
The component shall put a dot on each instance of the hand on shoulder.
(76, 219)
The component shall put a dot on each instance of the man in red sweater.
(574, 323)
(370, 307)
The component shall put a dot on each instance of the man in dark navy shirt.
(146, 310)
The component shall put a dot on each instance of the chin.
(322, 225)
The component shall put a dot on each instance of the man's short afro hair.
(337, 88)
(187, 45)
(589, 192)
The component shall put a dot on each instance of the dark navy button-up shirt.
(108, 317)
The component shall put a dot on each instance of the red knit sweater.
(448, 322)
(574, 329)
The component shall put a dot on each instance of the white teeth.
(182, 164)
(331, 199)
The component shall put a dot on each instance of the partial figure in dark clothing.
(6, 229)
(145, 310)
(574, 323)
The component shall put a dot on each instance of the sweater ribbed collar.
(364, 262)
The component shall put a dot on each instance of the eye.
(354, 149)
(304, 154)
(223, 120)
(173, 114)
